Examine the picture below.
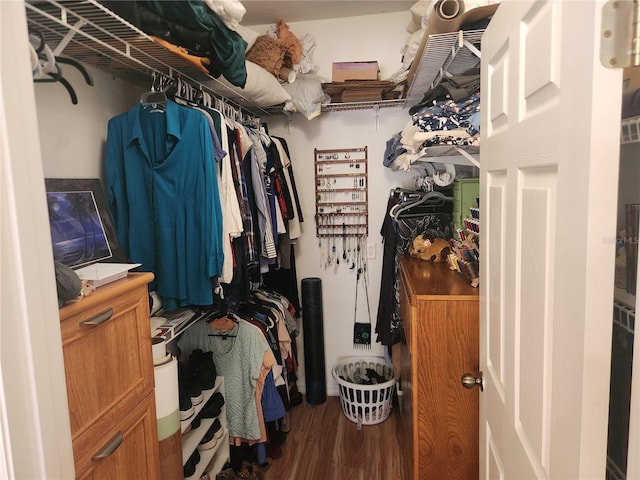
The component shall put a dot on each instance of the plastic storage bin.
(364, 404)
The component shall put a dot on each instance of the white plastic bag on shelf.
(307, 96)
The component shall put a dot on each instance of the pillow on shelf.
(247, 35)
(262, 88)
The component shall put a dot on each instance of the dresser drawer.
(107, 355)
(129, 449)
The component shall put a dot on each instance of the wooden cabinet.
(106, 345)
(440, 417)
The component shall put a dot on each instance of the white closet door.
(550, 142)
(36, 437)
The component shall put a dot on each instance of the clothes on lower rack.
(256, 354)
(243, 357)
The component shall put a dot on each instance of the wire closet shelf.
(88, 32)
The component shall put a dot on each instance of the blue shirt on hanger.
(163, 194)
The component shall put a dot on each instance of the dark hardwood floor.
(323, 444)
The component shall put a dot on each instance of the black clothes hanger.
(78, 65)
(49, 65)
(228, 315)
(57, 77)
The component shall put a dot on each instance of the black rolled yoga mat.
(314, 369)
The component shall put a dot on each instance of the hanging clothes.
(232, 226)
(272, 406)
(258, 163)
(398, 233)
(293, 225)
(243, 357)
(163, 195)
(240, 189)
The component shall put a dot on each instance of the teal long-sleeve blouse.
(162, 191)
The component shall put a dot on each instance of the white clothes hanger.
(396, 210)
(155, 98)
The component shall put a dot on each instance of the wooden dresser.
(440, 314)
(106, 344)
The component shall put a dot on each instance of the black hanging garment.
(398, 233)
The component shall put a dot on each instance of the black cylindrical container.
(314, 369)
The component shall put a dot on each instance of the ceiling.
(268, 12)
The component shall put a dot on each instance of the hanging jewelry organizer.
(342, 216)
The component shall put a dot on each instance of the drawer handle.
(109, 448)
(98, 319)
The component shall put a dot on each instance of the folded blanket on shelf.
(449, 115)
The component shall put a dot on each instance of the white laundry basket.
(364, 404)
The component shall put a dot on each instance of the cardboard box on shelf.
(354, 71)
(358, 90)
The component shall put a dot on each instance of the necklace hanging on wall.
(341, 204)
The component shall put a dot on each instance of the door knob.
(470, 381)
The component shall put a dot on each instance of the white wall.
(73, 136)
(72, 139)
(365, 38)
(374, 37)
